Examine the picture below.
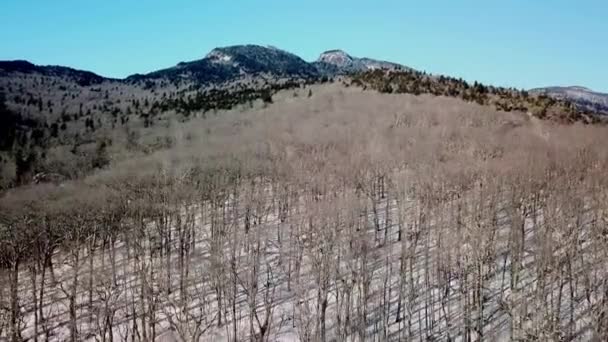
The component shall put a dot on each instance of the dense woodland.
(61, 128)
(332, 214)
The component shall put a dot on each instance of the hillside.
(66, 122)
(73, 117)
(346, 215)
(539, 105)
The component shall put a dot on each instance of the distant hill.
(80, 77)
(584, 98)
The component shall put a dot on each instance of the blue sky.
(520, 43)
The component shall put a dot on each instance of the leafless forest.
(332, 214)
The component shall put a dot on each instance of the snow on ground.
(400, 271)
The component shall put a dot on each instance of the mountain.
(584, 98)
(253, 59)
(246, 61)
(340, 62)
(234, 62)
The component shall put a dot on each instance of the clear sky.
(520, 43)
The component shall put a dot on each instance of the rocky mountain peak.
(338, 58)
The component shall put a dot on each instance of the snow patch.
(217, 56)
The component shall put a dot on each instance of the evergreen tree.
(8, 124)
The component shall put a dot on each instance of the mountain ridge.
(255, 67)
(221, 62)
(224, 64)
